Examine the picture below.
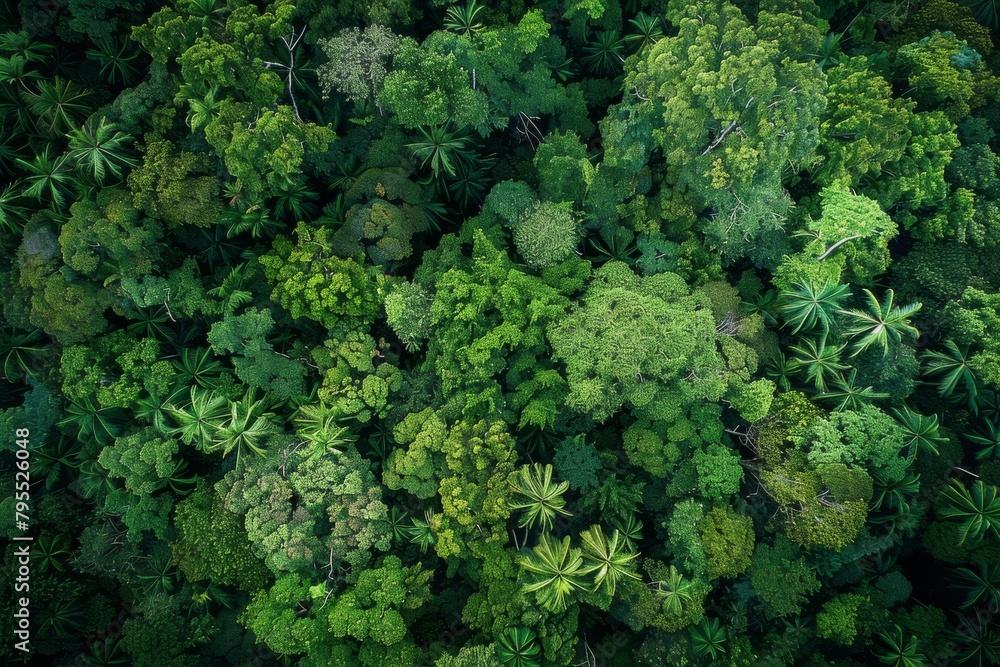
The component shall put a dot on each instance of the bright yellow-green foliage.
(310, 281)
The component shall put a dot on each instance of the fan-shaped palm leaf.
(881, 324)
(955, 379)
(921, 431)
(516, 647)
(49, 178)
(558, 572)
(976, 511)
(848, 395)
(810, 304)
(58, 105)
(821, 363)
(608, 559)
(99, 151)
(463, 19)
(543, 498)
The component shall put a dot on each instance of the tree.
(838, 621)
(976, 513)
(809, 303)
(544, 499)
(946, 74)
(267, 154)
(212, 543)
(311, 281)
(728, 540)
(546, 235)
(146, 462)
(880, 324)
(900, 650)
(631, 339)
(357, 61)
(377, 608)
(720, 138)
(781, 577)
(863, 126)
(255, 361)
(98, 151)
(849, 241)
(558, 572)
(607, 559)
(430, 88)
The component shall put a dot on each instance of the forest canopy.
(619, 333)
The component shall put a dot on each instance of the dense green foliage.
(502, 334)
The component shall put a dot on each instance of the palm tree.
(422, 531)
(955, 378)
(49, 178)
(152, 323)
(765, 304)
(980, 638)
(174, 476)
(442, 148)
(980, 587)
(558, 572)
(820, 363)
(646, 31)
(988, 440)
(781, 369)
(977, 511)
(198, 366)
(199, 421)
(630, 527)
(22, 353)
(608, 559)
(58, 105)
(463, 19)
(12, 214)
(848, 395)
(318, 424)
(881, 323)
(516, 647)
(118, 59)
(246, 430)
(829, 51)
(895, 493)
(294, 201)
(604, 54)
(232, 290)
(50, 551)
(900, 650)
(100, 151)
(921, 431)
(61, 618)
(543, 498)
(203, 107)
(676, 591)
(708, 639)
(809, 304)
(87, 420)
